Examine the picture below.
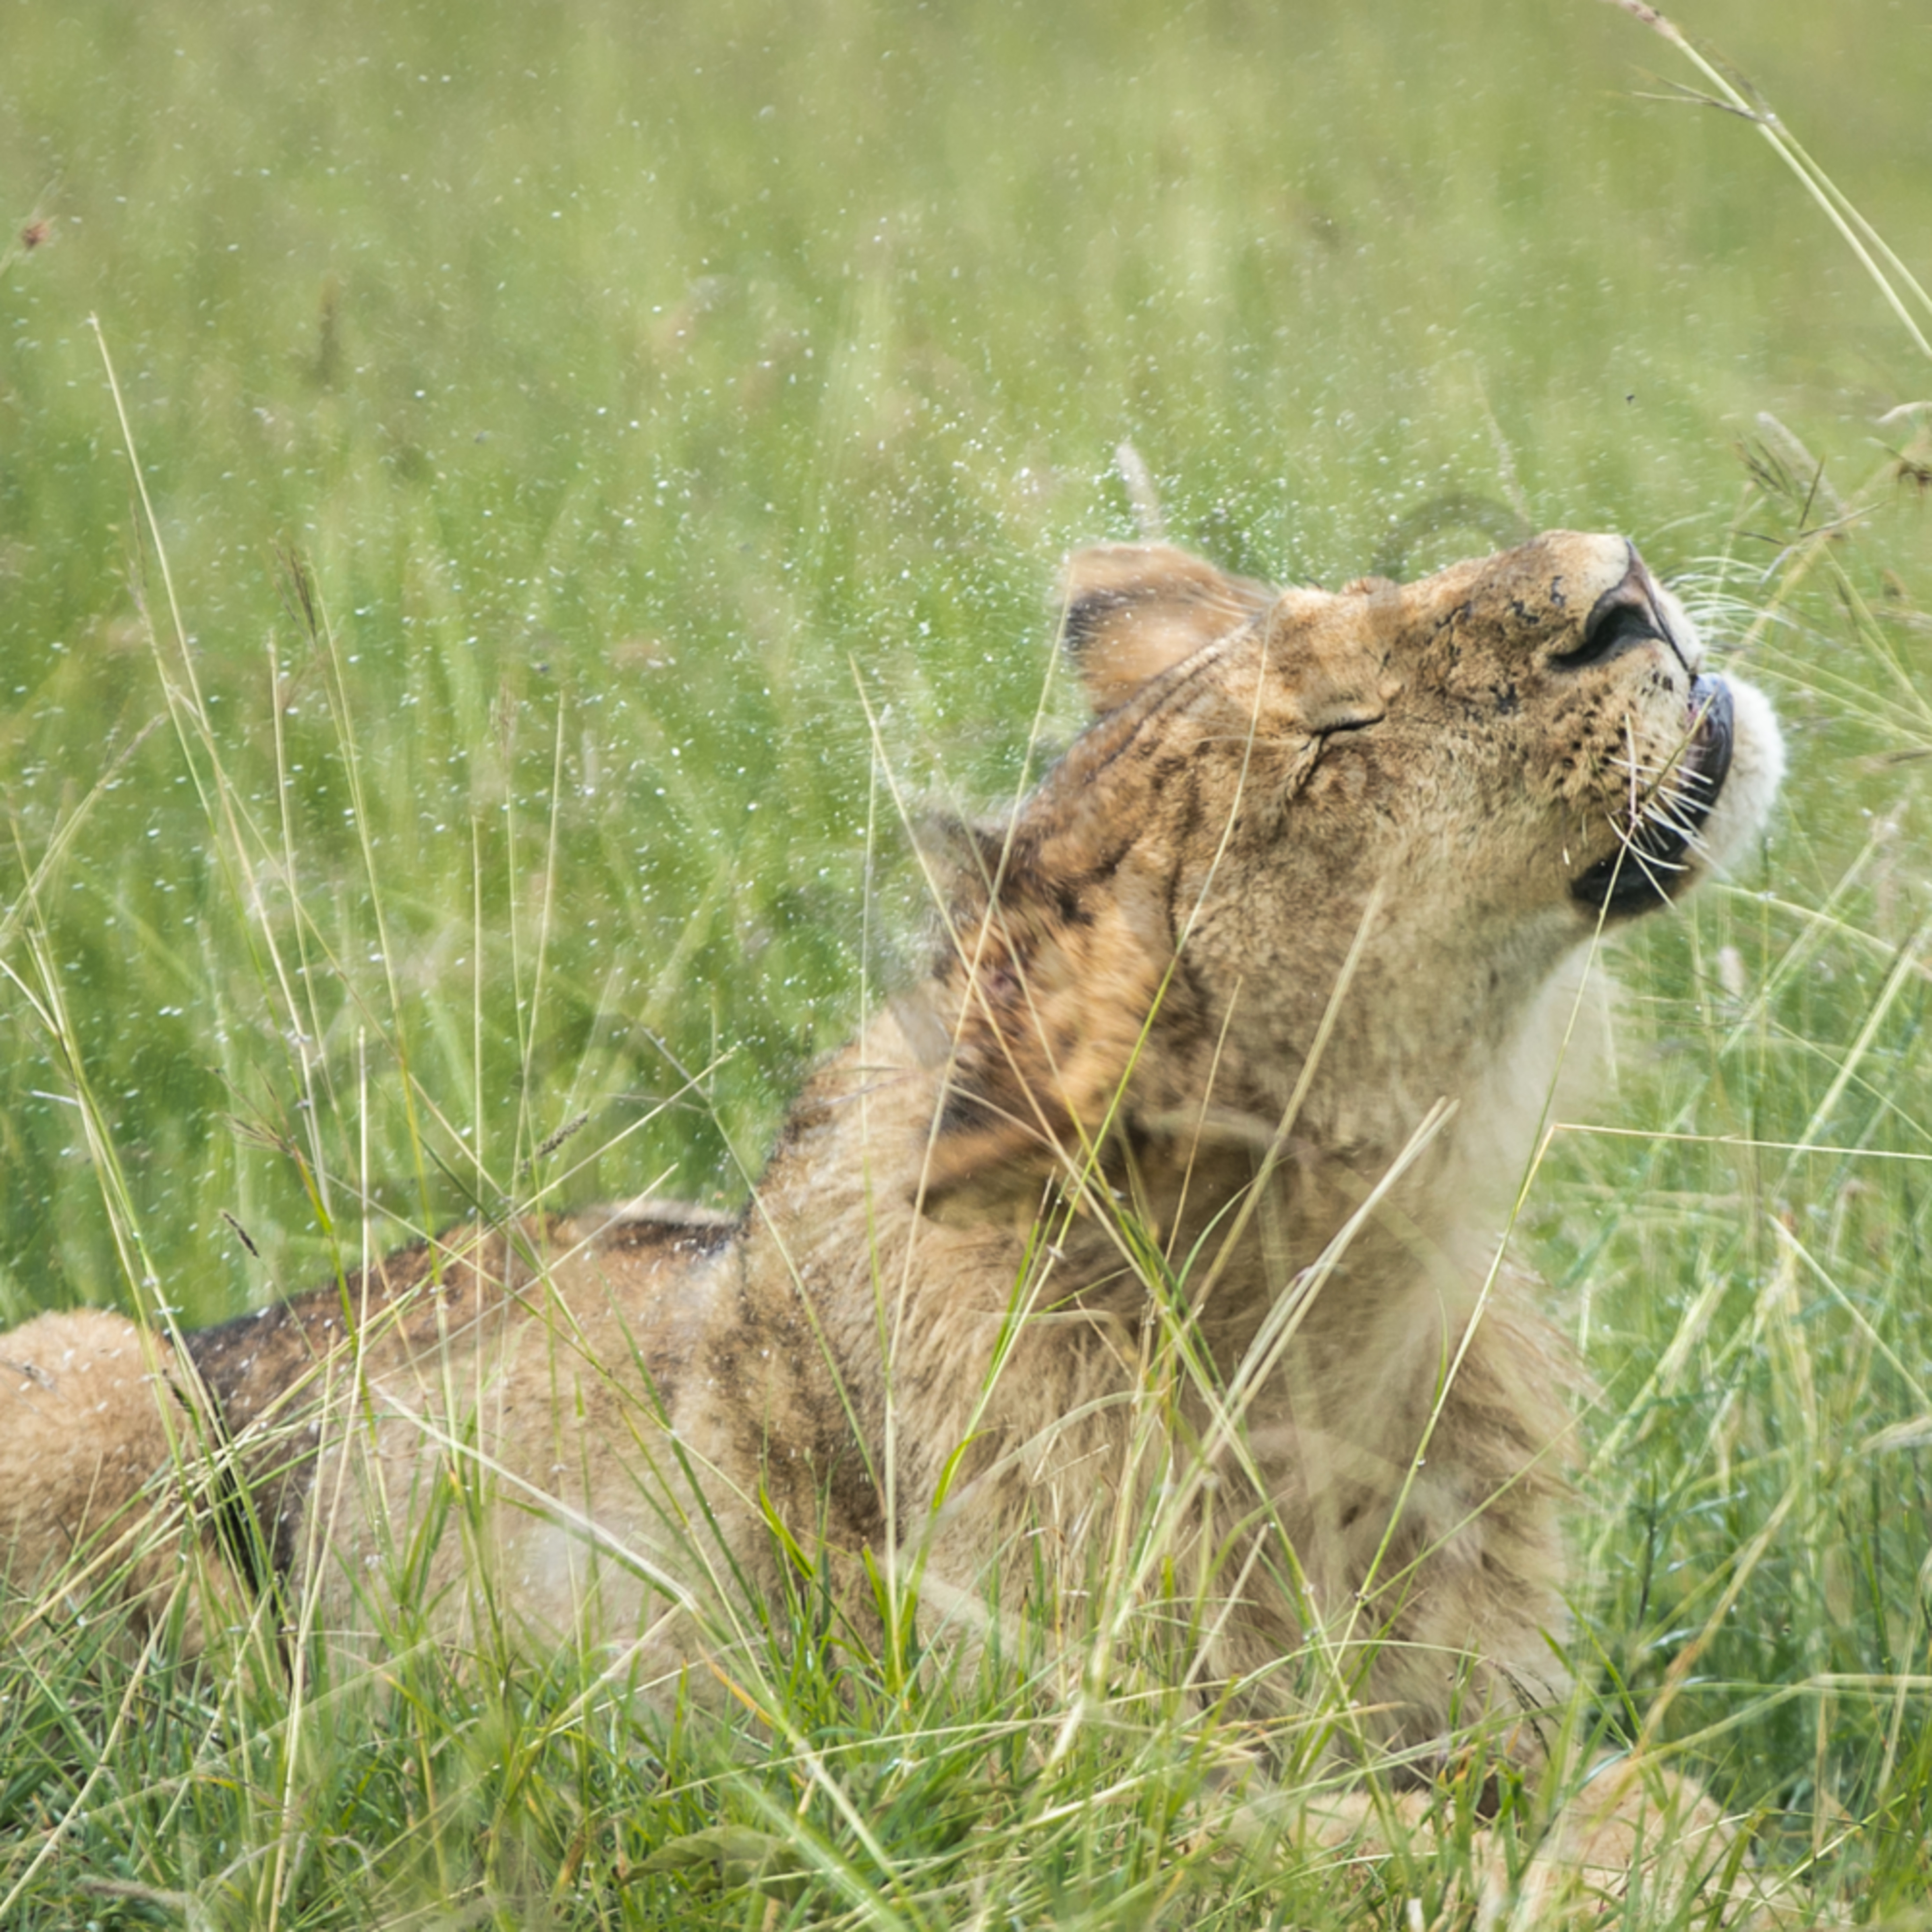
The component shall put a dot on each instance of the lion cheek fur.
(1301, 818)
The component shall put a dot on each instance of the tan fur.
(1632, 1826)
(83, 1440)
(1353, 820)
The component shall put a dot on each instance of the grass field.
(670, 420)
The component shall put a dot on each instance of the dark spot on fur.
(678, 1226)
(1109, 862)
(1189, 820)
(1087, 615)
(856, 1516)
(963, 1110)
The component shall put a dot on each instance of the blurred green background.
(637, 384)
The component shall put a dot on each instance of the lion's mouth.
(1662, 825)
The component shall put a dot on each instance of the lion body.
(1174, 1195)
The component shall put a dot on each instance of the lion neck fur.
(897, 1253)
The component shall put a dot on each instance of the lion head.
(1381, 819)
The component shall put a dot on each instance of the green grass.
(653, 403)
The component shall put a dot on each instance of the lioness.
(1236, 1044)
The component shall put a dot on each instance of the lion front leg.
(92, 1437)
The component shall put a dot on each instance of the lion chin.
(1232, 1050)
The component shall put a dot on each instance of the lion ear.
(1130, 611)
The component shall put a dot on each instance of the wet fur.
(1354, 817)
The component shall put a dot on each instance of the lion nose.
(1627, 617)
